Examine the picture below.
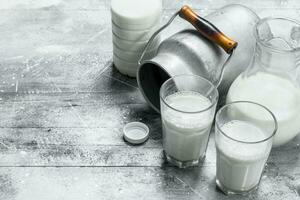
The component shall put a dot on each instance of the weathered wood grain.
(58, 4)
(101, 147)
(168, 4)
(69, 50)
(63, 107)
(74, 183)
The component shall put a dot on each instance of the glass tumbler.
(188, 104)
(243, 144)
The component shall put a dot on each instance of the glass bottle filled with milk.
(188, 104)
(273, 77)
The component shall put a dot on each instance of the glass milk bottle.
(273, 77)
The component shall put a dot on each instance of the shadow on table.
(112, 72)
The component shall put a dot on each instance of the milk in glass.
(239, 165)
(185, 134)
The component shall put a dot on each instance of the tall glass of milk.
(273, 77)
(243, 143)
(188, 104)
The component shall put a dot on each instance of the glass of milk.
(243, 144)
(188, 104)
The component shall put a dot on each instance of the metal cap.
(136, 132)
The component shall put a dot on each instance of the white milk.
(185, 134)
(278, 94)
(239, 165)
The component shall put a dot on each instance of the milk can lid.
(136, 132)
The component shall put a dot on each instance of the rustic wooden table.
(63, 106)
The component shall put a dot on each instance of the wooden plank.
(168, 4)
(62, 32)
(55, 30)
(53, 33)
(75, 183)
(54, 4)
(100, 112)
(63, 105)
(102, 147)
(54, 65)
(91, 183)
(34, 154)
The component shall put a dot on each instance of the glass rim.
(263, 20)
(213, 103)
(247, 102)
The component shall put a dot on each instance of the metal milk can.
(189, 52)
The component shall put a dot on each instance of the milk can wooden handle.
(207, 29)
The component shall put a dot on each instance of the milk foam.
(188, 101)
(243, 132)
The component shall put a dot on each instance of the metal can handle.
(155, 34)
(207, 29)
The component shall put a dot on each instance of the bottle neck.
(273, 60)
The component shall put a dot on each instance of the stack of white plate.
(133, 23)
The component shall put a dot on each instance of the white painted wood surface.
(62, 108)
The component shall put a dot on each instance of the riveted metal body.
(187, 52)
